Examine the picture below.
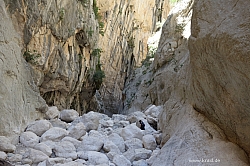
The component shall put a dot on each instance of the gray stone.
(39, 127)
(149, 142)
(5, 145)
(93, 157)
(142, 154)
(37, 156)
(43, 148)
(118, 141)
(54, 161)
(131, 131)
(54, 134)
(59, 123)
(133, 143)
(77, 131)
(15, 158)
(65, 149)
(121, 160)
(153, 111)
(68, 115)
(74, 141)
(140, 163)
(91, 120)
(52, 113)
(110, 146)
(3, 155)
(97, 158)
(29, 139)
(106, 123)
(136, 116)
(72, 163)
(119, 117)
(91, 143)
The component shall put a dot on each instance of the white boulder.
(91, 120)
(93, 157)
(142, 154)
(37, 156)
(149, 142)
(43, 148)
(91, 143)
(118, 141)
(121, 160)
(39, 127)
(140, 163)
(29, 139)
(59, 123)
(3, 155)
(131, 131)
(72, 163)
(133, 143)
(52, 113)
(54, 134)
(5, 145)
(68, 115)
(136, 116)
(110, 146)
(65, 149)
(77, 131)
(74, 141)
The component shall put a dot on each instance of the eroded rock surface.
(20, 100)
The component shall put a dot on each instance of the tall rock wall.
(20, 101)
(201, 81)
(128, 25)
(59, 38)
(219, 48)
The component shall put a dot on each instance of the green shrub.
(61, 13)
(98, 78)
(31, 58)
(131, 43)
(97, 52)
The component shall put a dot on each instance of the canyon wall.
(128, 25)
(200, 77)
(20, 100)
(219, 60)
(67, 43)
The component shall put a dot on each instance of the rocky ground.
(67, 139)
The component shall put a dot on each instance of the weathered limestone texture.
(58, 38)
(219, 57)
(20, 101)
(196, 124)
(128, 24)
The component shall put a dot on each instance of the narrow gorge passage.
(79, 77)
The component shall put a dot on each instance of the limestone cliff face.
(20, 100)
(219, 48)
(201, 83)
(58, 38)
(128, 25)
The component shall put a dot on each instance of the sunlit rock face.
(186, 79)
(20, 101)
(219, 57)
(128, 25)
(58, 39)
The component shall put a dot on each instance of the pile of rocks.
(67, 139)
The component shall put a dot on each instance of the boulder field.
(67, 139)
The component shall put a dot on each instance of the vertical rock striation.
(128, 25)
(20, 100)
